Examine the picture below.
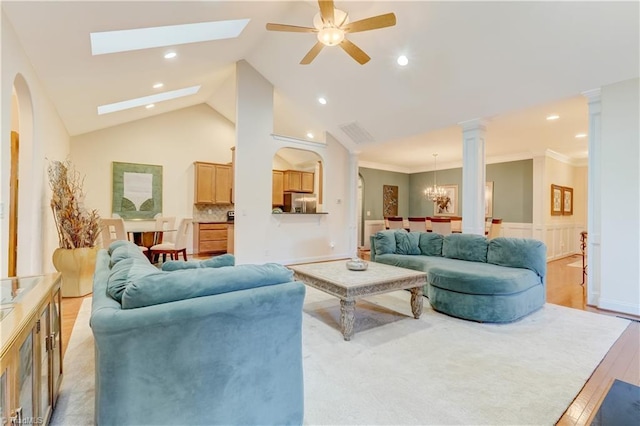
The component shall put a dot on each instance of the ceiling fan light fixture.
(330, 36)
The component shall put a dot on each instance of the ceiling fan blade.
(311, 55)
(326, 10)
(355, 52)
(373, 23)
(290, 28)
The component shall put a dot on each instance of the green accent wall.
(512, 190)
(372, 192)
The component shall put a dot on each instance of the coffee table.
(334, 278)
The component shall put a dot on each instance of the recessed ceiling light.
(170, 55)
(553, 117)
(159, 97)
(171, 35)
(310, 135)
(158, 85)
(323, 101)
(581, 135)
(402, 60)
(150, 106)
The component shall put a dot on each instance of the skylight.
(146, 100)
(171, 35)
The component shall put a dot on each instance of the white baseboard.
(617, 306)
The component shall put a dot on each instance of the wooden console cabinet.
(210, 237)
(212, 183)
(31, 351)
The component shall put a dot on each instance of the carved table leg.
(416, 301)
(347, 317)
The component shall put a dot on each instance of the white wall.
(620, 205)
(42, 136)
(173, 140)
(264, 237)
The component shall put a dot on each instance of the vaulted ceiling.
(512, 63)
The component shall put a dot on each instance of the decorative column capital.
(592, 95)
(475, 124)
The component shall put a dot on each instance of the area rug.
(402, 371)
(576, 264)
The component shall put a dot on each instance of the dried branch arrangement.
(76, 226)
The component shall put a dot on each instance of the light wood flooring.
(563, 288)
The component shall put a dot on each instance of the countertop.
(213, 221)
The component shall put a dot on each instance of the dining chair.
(496, 228)
(441, 225)
(417, 224)
(113, 229)
(428, 224)
(456, 224)
(164, 223)
(173, 249)
(395, 222)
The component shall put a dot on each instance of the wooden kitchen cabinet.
(211, 237)
(277, 190)
(31, 354)
(298, 181)
(212, 183)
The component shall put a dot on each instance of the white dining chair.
(495, 229)
(395, 222)
(173, 248)
(113, 229)
(164, 223)
(417, 224)
(441, 225)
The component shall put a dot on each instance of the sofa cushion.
(481, 278)
(189, 283)
(385, 242)
(469, 247)
(430, 244)
(126, 271)
(215, 262)
(407, 242)
(120, 250)
(518, 253)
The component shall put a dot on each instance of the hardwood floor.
(563, 288)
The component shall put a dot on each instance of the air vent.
(356, 132)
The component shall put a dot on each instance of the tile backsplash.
(211, 212)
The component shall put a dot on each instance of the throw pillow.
(469, 247)
(215, 262)
(124, 272)
(385, 242)
(407, 242)
(187, 284)
(430, 244)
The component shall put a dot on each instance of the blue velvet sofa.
(199, 345)
(498, 280)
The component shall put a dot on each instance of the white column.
(540, 207)
(594, 205)
(473, 176)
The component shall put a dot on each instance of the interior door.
(13, 206)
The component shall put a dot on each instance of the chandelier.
(435, 193)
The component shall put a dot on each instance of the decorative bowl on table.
(357, 264)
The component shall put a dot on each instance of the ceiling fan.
(332, 24)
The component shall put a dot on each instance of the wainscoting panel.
(370, 228)
(563, 240)
(517, 230)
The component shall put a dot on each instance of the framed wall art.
(389, 200)
(567, 201)
(488, 199)
(136, 190)
(556, 200)
(448, 205)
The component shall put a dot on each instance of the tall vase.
(77, 267)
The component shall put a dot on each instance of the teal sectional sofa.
(498, 280)
(202, 344)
